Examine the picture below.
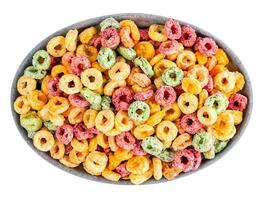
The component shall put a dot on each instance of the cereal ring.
(79, 64)
(218, 102)
(122, 98)
(202, 141)
(157, 58)
(125, 140)
(43, 140)
(156, 118)
(126, 40)
(144, 65)
(25, 85)
(224, 81)
(163, 64)
(190, 123)
(184, 160)
(172, 29)
(152, 145)
(210, 154)
(209, 85)
(141, 79)
(207, 115)
(110, 38)
(90, 52)
(95, 163)
(219, 145)
(138, 150)
(58, 150)
(157, 33)
(170, 172)
(66, 161)
(92, 78)
(197, 158)
(58, 71)
(187, 102)
(53, 87)
(206, 46)
(142, 131)
(137, 165)
(112, 85)
(71, 40)
(77, 157)
(221, 57)
(82, 133)
(92, 97)
(41, 60)
(172, 76)
(104, 120)
(140, 178)
(169, 47)
(165, 95)
(139, 111)
(186, 59)
(238, 102)
(188, 37)
(182, 141)
(56, 46)
(106, 103)
(191, 85)
(237, 115)
(109, 22)
(34, 72)
(87, 35)
(224, 128)
(79, 145)
(58, 104)
(127, 53)
(166, 155)
(145, 49)
(31, 122)
(166, 131)
(199, 73)
(21, 105)
(133, 28)
(64, 133)
(142, 96)
(106, 57)
(121, 169)
(36, 99)
(123, 122)
(70, 84)
(172, 112)
(50, 126)
(111, 175)
(119, 71)
(89, 118)
(157, 168)
(78, 100)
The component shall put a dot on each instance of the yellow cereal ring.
(157, 168)
(217, 69)
(104, 120)
(44, 84)
(212, 62)
(137, 164)
(186, 59)
(141, 178)
(156, 58)
(142, 131)
(112, 132)
(87, 35)
(238, 116)
(123, 155)
(58, 104)
(201, 59)
(163, 64)
(102, 140)
(58, 150)
(207, 115)
(137, 88)
(113, 162)
(221, 57)
(71, 40)
(98, 66)
(166, 131)
(79, 145)
(25, 85)
(154, 107)
(43, 140)
(59, 71)
(239, 83)
(203, 95)
(199, 73)
(188, 103)
(92, 144)
(21, 105)
(173, 57)
(157, 33)
(224, 136)
(77, 157)
(133, 27)
(112, 85)
(158, 82)
(56, 46)
(112, 143)
(92, 78)
(70, 84)
(76, 115)
(145, 49)
(156, 118)
(66, 161)
(88, 51)
(95, 163)
(110, 175)
(89, 118)
(224, 81)
(119, 71)
(37, 99)
(191, 85)
(172, 112)
(123, 122)
(182, 141)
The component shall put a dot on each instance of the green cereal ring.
(210, 154)
(202, 141)
(41, 60)
(172, 76)
(139, 111)
(127, 53)
(105, 103)
(95, 106)
(144, 65)
(106, 57)
(152, 145)
(34, 72)
(31, 134)
(30, 122)
(109, 22)
(92, 97)
(217, 101)
(220, 145)
(166, 155)
(51, 127)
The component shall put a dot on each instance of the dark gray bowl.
(142, 20)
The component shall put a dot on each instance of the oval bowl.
(142, 20)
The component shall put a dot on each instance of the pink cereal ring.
(188, 37)
(97, 42)
(169, 47)
(122, 170)
(142, 96)
(173, 29)
(190, 123)
(197, 158)
(110, 38)
(184, 160)
(138, 150)
(238, 102)
(79, 63)
(125, 140)
(165, 95)
(144, 35)
(78, 100)
(122, 98)
(64, 133)
(209, 86)
(81, 132)
(206, 46)
(53, 87)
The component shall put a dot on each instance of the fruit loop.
(131, 103)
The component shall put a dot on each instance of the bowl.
(142, 20)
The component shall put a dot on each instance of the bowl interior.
(142, 20)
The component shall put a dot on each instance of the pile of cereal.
(129, 103)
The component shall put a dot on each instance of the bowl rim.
(134, 16)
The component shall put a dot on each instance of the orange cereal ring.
(25, 85)
(145, 49)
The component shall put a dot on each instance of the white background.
(242, 173)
